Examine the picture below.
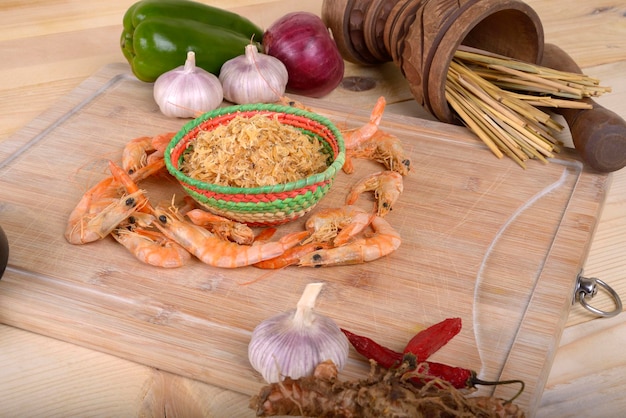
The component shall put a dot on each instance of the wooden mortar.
(421, 37)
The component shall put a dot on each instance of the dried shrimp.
(252, 152)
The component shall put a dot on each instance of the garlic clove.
(293, 343)
(187, 90)
(253, 78)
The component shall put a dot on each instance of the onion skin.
(303, 43)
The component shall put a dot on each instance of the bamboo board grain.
(482, 240)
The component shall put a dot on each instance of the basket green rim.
(329, 173)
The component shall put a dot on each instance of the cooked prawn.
(205, 245)
(99, 211)
(135, 153)
(384, 148)
(222, 227)
(386, 185)
(141, 151)
(336, 225)
(150, 247)
(212, 250)
(106, 204)
(371, 142)
(385, 241)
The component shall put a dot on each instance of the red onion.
(303, 43)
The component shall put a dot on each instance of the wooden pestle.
(599, 134)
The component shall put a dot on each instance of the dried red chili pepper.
(458, 377)
(422, 345)
(431, 339)
(385, 357)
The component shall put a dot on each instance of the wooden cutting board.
(483, 240)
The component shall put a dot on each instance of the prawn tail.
(353, 196)
(348, 165)
(293, 239)
(377, 112)
(278, 254)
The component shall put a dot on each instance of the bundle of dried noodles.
(497, 98)
(252, 152)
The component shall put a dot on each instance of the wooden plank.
(35, 386)
(491, 243)
(592, 33)
(109, 386)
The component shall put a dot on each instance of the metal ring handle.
(587, 287)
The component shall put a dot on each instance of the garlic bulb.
(253, 78)
(187, 90)
(293, 343)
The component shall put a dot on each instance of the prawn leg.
(385, 241)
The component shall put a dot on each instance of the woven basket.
(265, 205)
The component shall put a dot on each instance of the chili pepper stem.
(474, 380)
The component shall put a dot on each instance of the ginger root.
(384, 393)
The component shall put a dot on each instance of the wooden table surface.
(49, 47)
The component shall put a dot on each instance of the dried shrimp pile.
(169, 234)
(252, 152)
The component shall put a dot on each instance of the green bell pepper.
(158, 34)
